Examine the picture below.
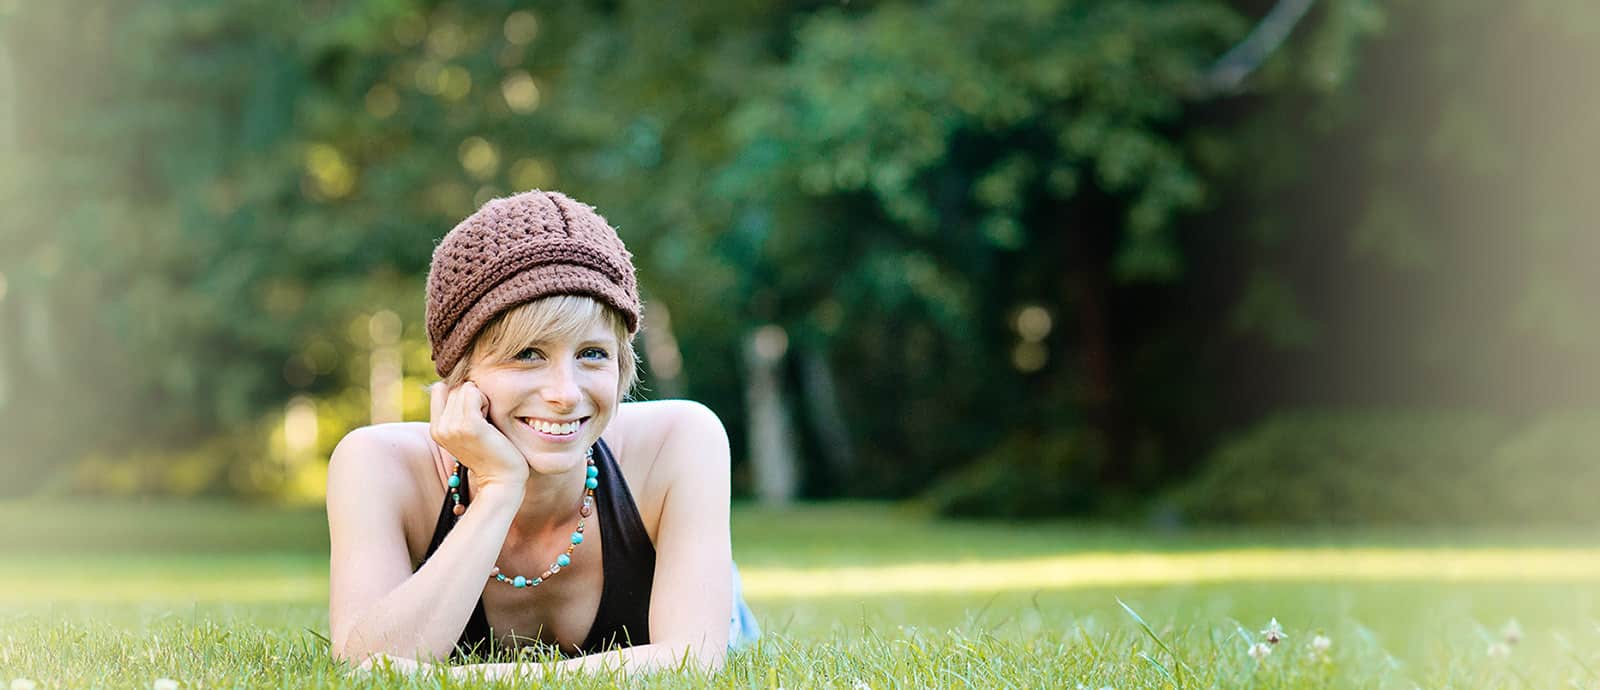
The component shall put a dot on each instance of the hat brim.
(541, 281)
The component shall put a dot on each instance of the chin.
(553, 462)
(552, 459)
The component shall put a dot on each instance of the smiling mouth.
(566, 429)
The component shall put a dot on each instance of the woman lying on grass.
(535, 507)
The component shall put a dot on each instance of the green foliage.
(958, 120)
(1413, 220)
(1548, 471)
(912, 175)
(167, 269)
(1027, 476)
(1402, 467)
(203, 197)
(1340, 468)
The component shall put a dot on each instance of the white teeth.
(557, 429)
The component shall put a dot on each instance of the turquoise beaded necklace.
(591, 481)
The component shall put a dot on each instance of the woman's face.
(554, 398)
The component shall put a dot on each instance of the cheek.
(602, 386)
(497, 392)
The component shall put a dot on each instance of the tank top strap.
(628, 558)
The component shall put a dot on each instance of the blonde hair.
(557, 316)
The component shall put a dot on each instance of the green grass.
(117, 594)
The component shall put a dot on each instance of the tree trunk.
(661, 353)
(385, 368)
(38, 340)
(1087, 287)
(5, 349)
(827, 421)
(771, 434)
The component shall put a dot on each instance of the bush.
(1369, 467)
(1027, 476)
(1550, 471)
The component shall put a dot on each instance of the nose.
(560, 389)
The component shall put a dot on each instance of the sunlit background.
(1160, 268)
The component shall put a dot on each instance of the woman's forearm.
(642, 659)
(423, 617)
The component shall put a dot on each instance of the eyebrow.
(603, 340)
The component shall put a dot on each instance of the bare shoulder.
(393, 450)
(649, 428)
(662, 442)
(389, 469)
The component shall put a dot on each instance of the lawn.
(119, 594)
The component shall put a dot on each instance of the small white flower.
(860, 685)
(1321, 643)
(22, 684)
(1512, 632)
(1499, 650)
(1259, 651)
(1274, 632)
(164, 684)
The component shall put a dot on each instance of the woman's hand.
(459, 423)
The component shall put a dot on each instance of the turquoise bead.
(594, 471)
(520, 582)
(536, 581)
(591, 482)
(563, 560)
(577, 537)
(455, 481)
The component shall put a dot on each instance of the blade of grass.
(1160, 667)
(1152, 633)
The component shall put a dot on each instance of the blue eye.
(595, 353)
(527, 353)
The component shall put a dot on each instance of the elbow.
(712, 657)
(342, 650)
(356, 649)
(345, 646)
(708, 658)
(713, 661)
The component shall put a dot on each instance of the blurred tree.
(193, 218)
(208, 195)
(1421, 237)
(953, 163)
(998, 230)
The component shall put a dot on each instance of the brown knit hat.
(517, 249)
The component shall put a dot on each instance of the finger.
(481, 400)
(485, 407)
(436, 398)
(442, 424)
(464, 405)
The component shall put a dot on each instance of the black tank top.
(628, 561)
